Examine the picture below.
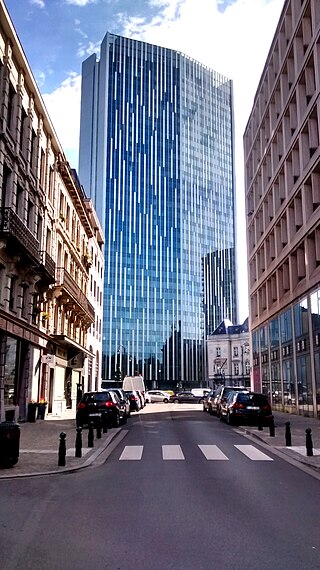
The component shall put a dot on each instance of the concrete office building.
(156, 158)
(282, 167)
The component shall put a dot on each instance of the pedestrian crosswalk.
(210, 452)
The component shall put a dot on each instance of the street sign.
(49, 359)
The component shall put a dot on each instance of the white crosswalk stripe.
(131, 453)
(172, 452)
(253, 453)
(210, 452)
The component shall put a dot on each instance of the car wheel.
(229, 419)
(116, 421)
(176, 401)
(124, 419)
(165, 400)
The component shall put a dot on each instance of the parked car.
(246, 408)
(158, 396)
(134, 399)
(142, 398)
(205, 401)
(124, 399)
(220, 394)
(100, 405)
(186, 398)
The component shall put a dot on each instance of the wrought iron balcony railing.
(13, 228)
(48, 265)
(64, 279)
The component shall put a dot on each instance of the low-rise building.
(228, 355)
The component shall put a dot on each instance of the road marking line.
(131, 453)
(212, 452)
(172, 452)
(253, 453)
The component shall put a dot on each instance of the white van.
(201, 392)
(134, 383)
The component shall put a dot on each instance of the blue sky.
(232, 37)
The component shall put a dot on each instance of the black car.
(246, 408)
(186, 398)
(97, 406)
(134, 399)
(124, 398)
(206, 401)
(221, 394)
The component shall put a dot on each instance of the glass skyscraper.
(156, 158)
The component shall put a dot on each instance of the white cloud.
(39, 3)
(63, 106)
(80, 2)
(84, 51)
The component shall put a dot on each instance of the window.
(24, 301)
(19, 201)
(218, 351)
(30, 216)
(236, 368)
(12, 291)
(235, 351)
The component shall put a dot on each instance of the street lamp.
(244, 350)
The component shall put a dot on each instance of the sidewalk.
(39, 446)
(298, 425)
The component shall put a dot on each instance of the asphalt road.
(161, 502)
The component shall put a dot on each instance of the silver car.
(158, 396)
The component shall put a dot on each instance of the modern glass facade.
(156, 157)
(286, 357)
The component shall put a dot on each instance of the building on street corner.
(228, 355)
(282, 172)
(48, 236)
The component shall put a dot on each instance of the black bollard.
(78, 442)
(62, 450)
(105, 423)
(309, 444)
(271, 427)
(288, 434)
(99, 428)
(90, 435)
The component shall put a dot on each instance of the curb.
(298, 461)
(89, 461)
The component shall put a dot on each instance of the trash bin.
(32, 412)
(9, 444)
(41, 411)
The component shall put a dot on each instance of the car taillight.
(266, 408)
(81, 406)
(109, 404)
(237, 405)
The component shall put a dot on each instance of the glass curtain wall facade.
(156, 157)
(286, 357)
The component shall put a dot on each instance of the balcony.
(19, 238)
(47, 267)
(78, 298)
